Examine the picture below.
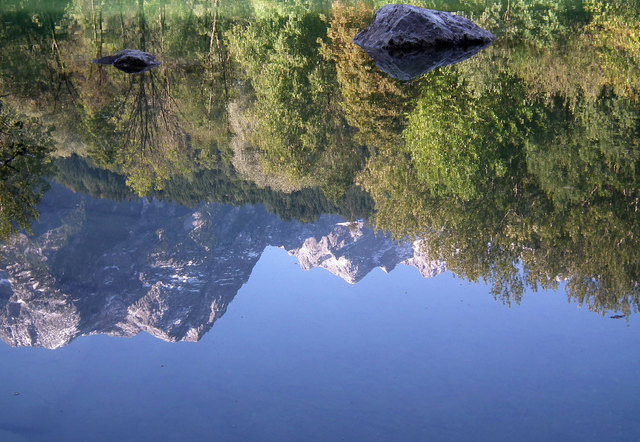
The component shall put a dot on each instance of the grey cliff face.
(131, 61)
(404, 27)
(350, 251)
(101, 267)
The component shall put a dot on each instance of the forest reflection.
(517, 166)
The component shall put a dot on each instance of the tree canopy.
(25, 148)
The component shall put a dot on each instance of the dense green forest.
(518, 166)
(25, 149)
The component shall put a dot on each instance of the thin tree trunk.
(213, 27)
(142, 25)
(93, 21)
(161, 16)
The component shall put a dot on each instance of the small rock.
(131, 61)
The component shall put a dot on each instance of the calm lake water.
(266, 237)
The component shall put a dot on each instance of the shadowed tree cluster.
(25, 148)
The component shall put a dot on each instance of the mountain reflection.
(96, 266)
(517, 167)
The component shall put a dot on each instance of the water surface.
(296, 245)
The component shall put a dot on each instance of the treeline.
(216, 186)
(519, 167)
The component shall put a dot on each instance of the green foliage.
(142, 137)
(614, 31)
(537, 23)
(214, 186)
(80, 176)
(267, 9)
(565, 207)
(305, 205)
(25, 147)
(373, 104)
(298, 130)
(593, 150)
(462, 142)
(525, 175)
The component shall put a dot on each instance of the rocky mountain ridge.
(102, 267)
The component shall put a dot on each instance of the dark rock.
(404, 27)
(406, 65)
(131, 61)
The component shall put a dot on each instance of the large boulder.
(404, 27)
(131, 61)
(406, 65)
